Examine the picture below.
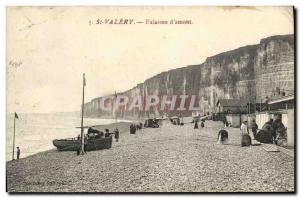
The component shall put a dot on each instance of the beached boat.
(93, 140)
(73, 144)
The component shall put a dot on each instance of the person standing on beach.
(18, 153)
(254, 128)
(117, 135)
(244, 128)
(196, 124)
(141, 125)
(202, 123)
(107, 134)
(245, 138)
(225, 122)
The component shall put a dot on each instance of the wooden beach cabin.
(283, 108)
(232, 110)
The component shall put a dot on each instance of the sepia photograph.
(150, 99)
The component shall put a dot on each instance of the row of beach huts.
(236, 111)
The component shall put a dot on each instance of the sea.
(34, 132)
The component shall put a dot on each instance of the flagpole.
(13, 152)
(82, 108)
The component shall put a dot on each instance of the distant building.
(282, 103)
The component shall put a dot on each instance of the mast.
(82, 110)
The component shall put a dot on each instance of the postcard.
(143, 99)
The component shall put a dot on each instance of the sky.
(49, 48)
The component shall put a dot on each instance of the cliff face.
(274, 67)
(250, 73)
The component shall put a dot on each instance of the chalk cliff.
(251, 73)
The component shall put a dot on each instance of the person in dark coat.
(271, 126)
(246, 140)
(18, 153)
(141, 125)
(278, 127)
(132, 129)
(270, 122)
(117, 135)
(222, 137)
(90, 130)
(196, 124)
(202, 124)
(254, 128)
(226, 124)
(107, 134)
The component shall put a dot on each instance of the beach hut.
(234, 120)
(283, 108)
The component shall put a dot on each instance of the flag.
(84, 83)
(16, 115)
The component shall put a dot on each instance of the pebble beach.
(167, 159)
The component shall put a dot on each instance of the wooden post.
(82, 108)
(13, 152)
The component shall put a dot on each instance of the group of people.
(151, 123)
(94, 133)
(177, 121)
(276, 128)
(135, 127)
(270, 132)
(245, 135)
(196, 124)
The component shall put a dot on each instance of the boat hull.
(90, 145)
